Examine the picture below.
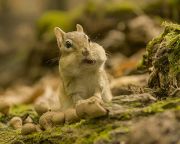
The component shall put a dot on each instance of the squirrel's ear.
(79, 28)
(59, 34)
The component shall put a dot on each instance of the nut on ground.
(41, 108)
(28, 120)
(29, 128)
(58, 118)
(45, 120)
(16, 123)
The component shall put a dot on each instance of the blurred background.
(28, 49)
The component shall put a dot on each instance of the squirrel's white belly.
(84, 85)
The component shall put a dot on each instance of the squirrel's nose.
(85, 52)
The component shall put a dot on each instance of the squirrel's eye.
(89, 40)
(68, 44)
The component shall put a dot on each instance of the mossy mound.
(114, 128)
(163, 61)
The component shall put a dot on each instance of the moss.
(161, 106)
(83, 132)
(64, 19)
(120, 7)
(22, 111)
(7, 135)
(163, 57)
(104, 129)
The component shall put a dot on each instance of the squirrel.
(81, 67)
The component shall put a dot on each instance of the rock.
(121, 91)
(114, 41)
(159, 129)
(142, 29)
(125, 81)
(128, 99)
(16, 123)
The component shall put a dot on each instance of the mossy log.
(163, 61)
(115, 127)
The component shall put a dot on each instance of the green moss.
(163, 57)
(63, 19)
(122, 7)
(87, 131)
(21, 111)
(161, 106)
(7, 135)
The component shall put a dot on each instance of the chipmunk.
(81, 67)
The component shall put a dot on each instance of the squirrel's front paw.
(80, 102)
(91, 107)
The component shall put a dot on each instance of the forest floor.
(144, 110)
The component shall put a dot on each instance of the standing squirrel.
(81, 68)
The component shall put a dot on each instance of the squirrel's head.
(77, 51)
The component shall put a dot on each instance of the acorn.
(28, 120)
(4, 107)
(29, 128)
(41, 108)
(58, 118)
(71, 116)
(16, 123)
(90, 108)
(45, 120)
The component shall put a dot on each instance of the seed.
(29, 128)
(16, 123)
(41, 108)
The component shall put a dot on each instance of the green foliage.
(63, 19)
(125, 6)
